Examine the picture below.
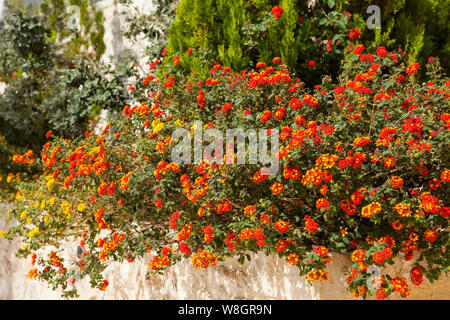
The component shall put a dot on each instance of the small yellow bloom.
(66, 207)
(50, 183)
(51, 201)
(23, 214)
(29, 220)
(33, 232)
(42, 205)
(10, 177)
(2, 234)
(36, 204)
(19, 195)
(46, 218)
(81, 207)
(155, 122)
(158, 127)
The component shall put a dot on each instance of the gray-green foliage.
(153, 27)
(47, 90)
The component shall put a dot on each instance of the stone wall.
(264, 277)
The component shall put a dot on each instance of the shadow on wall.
(264, 277)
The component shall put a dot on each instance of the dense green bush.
(47, 89)
(419, 26)
(363, 170)
(240, 33)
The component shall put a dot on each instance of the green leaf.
(331, 3)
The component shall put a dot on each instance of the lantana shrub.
(363, 171)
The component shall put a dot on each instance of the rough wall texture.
(265, 277)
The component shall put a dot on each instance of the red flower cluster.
(310, 225)
(277, 12)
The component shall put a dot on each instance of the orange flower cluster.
(315, 275)
(429, 203)
(110, 245)
(310, 100)
(322, 203)
(416, 275)
(310, 225)
(412, 68)
(231, 240)
(312, 176)
(403, 209)
(99, 219)
(158, 262)
(358, 255)
(358, 196)
(209, 231)
(430, 235)
(386, 137)
(50, 160)
(28, 158)
(246, 234)
(204, 259)
(281, 226)
(371, 209)
(162, 145)
(185, 233)
(250, 211)
(445, 176)
(223, 207)
(103, 285)
(396, 181)
(359, 292)
(258, 177)
(282, 245)
(32, 274)
(399, 285)
(277, 188)
(184, 248)
(293, 259)
(361, 141)
(411, 243)
(173, 219)
(380, 256)
(327, 161)
(348, 206)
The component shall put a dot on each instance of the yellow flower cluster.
(81, 207)
(33, 232)
(66, 207)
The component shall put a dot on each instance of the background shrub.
(363, 171)
(49, 90)
(241, 33)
